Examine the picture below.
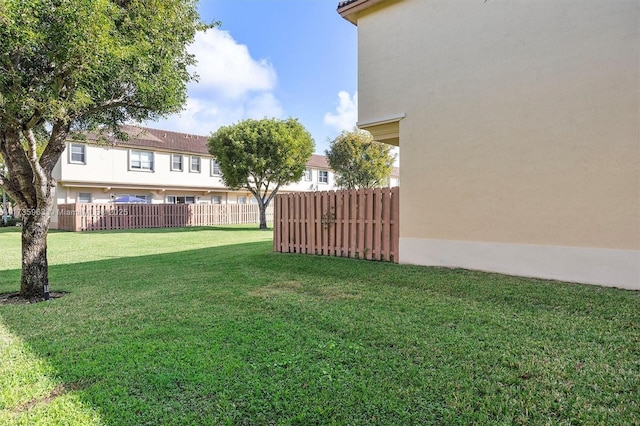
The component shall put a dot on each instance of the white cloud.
(263, 105)
(232, 86)
(226, 66)
(346, 114)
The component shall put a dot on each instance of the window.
(179, 199)
(215, 168)
(85, 197)
(194, 165)
(141, 160)
(77, 153)
(323, 176)
(176, 162)
(217, 199)
(146, 198)
(308, 175)
(242, 199)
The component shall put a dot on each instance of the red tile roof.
(318, 161)
(346, 3)
(165, 140)
(349, 9)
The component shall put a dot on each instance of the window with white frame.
(323, 176)
(176, 162)
(242, 199)
(217, 199)
(141, 160)
(194, 165)
(85, 197)
(308, 175)
(215, 168)
(77, 153)
(180, 199)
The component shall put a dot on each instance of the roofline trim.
(349, 10)
(382, 120)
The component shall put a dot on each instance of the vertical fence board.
(285, 224)
(296, 223)
(304, 223)
(369, 224)
(386, 225)
(353, 223)
(395, 221)
(331, 222)
(325, 225)
(276, 224)
(377, 225)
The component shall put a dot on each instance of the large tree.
(75, 65)
(359, 161)
(261, 156)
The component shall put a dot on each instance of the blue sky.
(273, 58)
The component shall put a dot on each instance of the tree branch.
(113, 103)
(273, 194)
(55, 146)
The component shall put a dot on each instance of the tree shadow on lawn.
(189, 337)
(186, 338)
(141, 326)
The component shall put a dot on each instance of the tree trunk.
(34, 282)
(29, 182)
(263, 215)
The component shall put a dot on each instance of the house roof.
(318, 161)
(349, 9)
(165, 140)
(345, 3)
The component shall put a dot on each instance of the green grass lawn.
(209, 326)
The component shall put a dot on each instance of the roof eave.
(350, 10)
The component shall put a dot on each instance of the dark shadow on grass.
(14, 298)
(121, 315)
(182, 338)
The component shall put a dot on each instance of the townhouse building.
(159, 166)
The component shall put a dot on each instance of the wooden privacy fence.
(94, 217)
(349, 223)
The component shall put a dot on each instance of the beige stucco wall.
(522, 118)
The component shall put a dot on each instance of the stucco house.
(159, 166)
(519, 123)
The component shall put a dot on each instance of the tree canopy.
(261, 156)
(75, 65)
(358, 161)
